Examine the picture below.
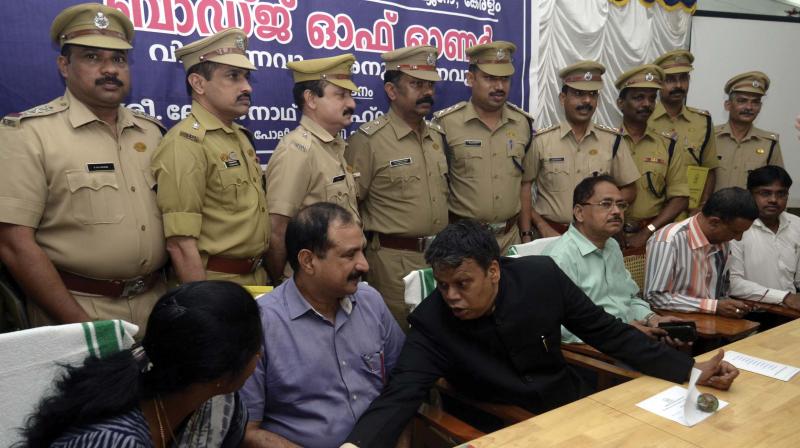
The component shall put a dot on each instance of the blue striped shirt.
(129, 430)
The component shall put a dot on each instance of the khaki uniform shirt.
(486, 165)
(558, 163)
(738, 158)
(403, 181)
(307, 167)
(663, 177)
(689, 127)
(88, 193)
(211, 186)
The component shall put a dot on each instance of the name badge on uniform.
(108, 166)
(556, 159)
(231, 159)
(399, 162)
(473, 142)
(655, 160)
(338, 178)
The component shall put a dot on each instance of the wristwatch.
(651, 228)
(526, 233)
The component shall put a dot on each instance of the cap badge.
(196, 125)
(756, 84)
(649, 77)
(101, 21)
(501, 54)
(431, 59)
(587, 76)
(239, 42)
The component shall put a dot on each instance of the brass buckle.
(134, 287)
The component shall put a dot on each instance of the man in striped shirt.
(687, 261)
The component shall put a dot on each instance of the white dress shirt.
(765, 266)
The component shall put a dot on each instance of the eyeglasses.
(780, 194)
(607, 205)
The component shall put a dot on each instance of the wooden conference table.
(762, 411)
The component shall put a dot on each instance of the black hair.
(564, 89)
(66, 51)
(316, 86)
(198, 332)
(585, 188)
(461, 240)
(730, 203)
(309, 230)
(205, 69)
(392, 76)
(473, 68)
(768, 175)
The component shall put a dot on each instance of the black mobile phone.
(685, 331)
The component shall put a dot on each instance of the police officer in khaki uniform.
(742, 147)
(692, 127)
(402, 175)
(662, 192)
(308, 165)
(80, 231)
(210, 181)
(488, 141)
(568, 152)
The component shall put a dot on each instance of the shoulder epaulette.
(718, 128)
(769, 135)
(149, 118)
(699, 111)
(373, 126)
(608, 129)
(435, 126)
(546, 129)
(439, 114)
(13, 120)
(513, 106)
(190, 129)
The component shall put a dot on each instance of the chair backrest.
(535, 247)
(418, 285)
(31, 359)
(635, 262)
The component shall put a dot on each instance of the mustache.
(425, 99)
(677, 90)
(348, 111)
(108, 79)
(498, 92)
(586, 107)
(243, 96)
(645, 110)
(355, 275)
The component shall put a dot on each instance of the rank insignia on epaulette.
(189, 136)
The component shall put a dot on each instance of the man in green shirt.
(592, 259)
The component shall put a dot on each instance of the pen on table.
(544, 342)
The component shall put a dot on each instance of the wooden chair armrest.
(599, 366)
(448, 425)
(775, 308)
(509, 414)
(588, 350)
(713, 326)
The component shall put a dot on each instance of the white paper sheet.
(679, 404)
(761, 366)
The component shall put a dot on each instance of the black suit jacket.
(511, 356)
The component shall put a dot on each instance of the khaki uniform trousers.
(135, 309)
(387, 267)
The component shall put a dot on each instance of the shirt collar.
(585, 246)
(314, 128)
(401, 128)
(726, 129)
(79, 113)
(697, 239)
(783, 223)
(471, 114)
(298, 306)
(648, 134)
(207, 120)
(566, 129)
(660, 110)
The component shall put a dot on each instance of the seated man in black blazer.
(492, 327)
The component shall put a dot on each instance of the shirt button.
(579, 171)
(133, 188)
(354, 397)
(143, 228)
(255, 179)
(436, 221)
(344, 363)
(263, 209)
(143, 262)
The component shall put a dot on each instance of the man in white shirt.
(765, 264)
